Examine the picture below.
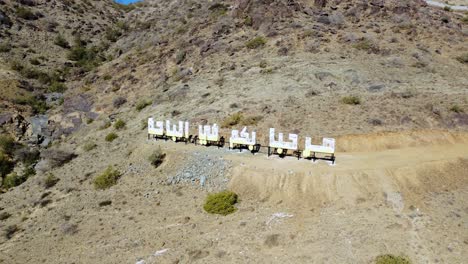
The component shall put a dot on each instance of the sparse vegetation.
(7, 144)
(111, 137)
(351, 100)
(107, 179)
(447, 8)
(157, 157)
(363, 45)
(13, 179)
(10, 231)
(87, 58)
(456, 109)
(6, 165)
(391, 259)
(256, 42)
(25, 13)
(57, 158)
(57, 87)
(89, 146)
(50, 180)
(105, 125)
(119, 124)
(61, 42)
(463, 58)
(142, 105)
(5, 47)
(240, 119)
(37, 104)
(4, 216)
(221, 203)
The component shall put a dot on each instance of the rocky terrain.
(78, 80)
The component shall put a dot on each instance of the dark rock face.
(80, 103)
(4, 19)
(320, 3)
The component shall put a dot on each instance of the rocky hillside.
(395, 64)
(45, 44)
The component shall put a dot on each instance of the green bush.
(25, 13)
(456, 109)
(37, 104)
(5, 47)
(142, 105)
(89, 146)
(107, 179)
(61, 42)
(50, 180)
(463, 58)
(13, 180)
(157, 157)
(86, 58)
(6, 165)
(111, 137)
(391, 259)
(221, 203)
(57, 87)
(26, 156)
(7, 144)
(119, 124)
(256, 43)
(351, 100)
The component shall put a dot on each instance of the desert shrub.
(6, 164)
(61, 42)
(364, 44)
(50, 180)
(351, 100)
(142, 105)
(13, 179)
(4, 216)
(232, 120)
(240, 119)
(221, 203)
(251, 120)
(180, 56)
(37, 104)
(456, 109)
(107, 77)
(463, 58)
(447, 8)
(57, 157)
(34, 61)
(5, 47)
(218, 9)
(10, 231)
(465, 19)
(391, 259)
(256, 42)
(111, 137)
(157, 157)
(26, 156)
(86, 58)
(25, 13)
(57, 87)
(248, 21)
(119, 101)
(105, 124)
(89, 146)
(107, 179)
(112, 34)
(119, 124)
(7, 144)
